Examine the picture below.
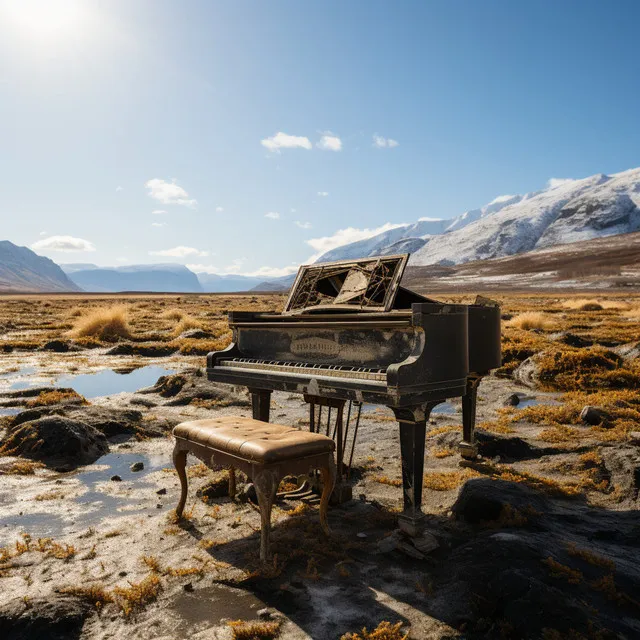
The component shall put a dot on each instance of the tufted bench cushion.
(266, 452)
(253, 440)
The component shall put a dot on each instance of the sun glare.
(44, 18)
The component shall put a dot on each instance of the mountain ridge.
(22, 270)
(573, 210)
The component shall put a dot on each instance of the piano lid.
(369, 284)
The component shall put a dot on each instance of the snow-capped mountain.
(565, 212)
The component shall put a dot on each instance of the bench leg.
(266, 485)
(328, 482)
(180, 463)
(232, 483)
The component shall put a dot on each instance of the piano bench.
(264, 451)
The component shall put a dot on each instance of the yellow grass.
(137, 594)
(185, 323)
(105, 323)
(23, 468)
(255, 630)
(384, 631)
(531, 320)
(447, 480)
(173, 314)
(46, 398)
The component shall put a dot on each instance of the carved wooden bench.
(264, 451)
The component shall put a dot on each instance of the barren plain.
(538, 538)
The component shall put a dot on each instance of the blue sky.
(387, 112)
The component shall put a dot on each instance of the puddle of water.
(9, 411)
(102, 505)
(25, 371)
(211, 604)
(445, 408)
(92, 385)
(107, 381)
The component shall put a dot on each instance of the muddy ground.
(539, 538)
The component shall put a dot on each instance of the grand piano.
(350, 333)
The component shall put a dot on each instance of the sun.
(43, 18)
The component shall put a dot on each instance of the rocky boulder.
(55, 440)
(57, 617)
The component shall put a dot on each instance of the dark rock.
(122, 349)
(137, 466)
(483, 500)
(491, 445)
(147, 350)
(107, 420)
(572, 340)
(188, 587)
(265, 614)
(144, 402)
(57, 617)
(116, 478)
(122, 574)
(59, 346)
(216, 488)
(594, 416)
(56, 439)
(248, 493)
(196, 334)
(7, 348)
(513, 400)
(161, 492)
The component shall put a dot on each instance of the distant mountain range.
(567, 211)
(23, 270)
(142, 277)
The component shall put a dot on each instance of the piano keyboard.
(303, 368)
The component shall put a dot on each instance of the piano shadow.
(492, 570)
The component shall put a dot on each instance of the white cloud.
(271, 272)
(558, 182)
(179, 252)
(345, 236)
(169, 193)
(119, 188)
(159, 212)
(236, 269)
(66, 244)
(122, 259)
(384, 143)
(158, 224)
(284, 141)
(219, 209)
(302, 225)
(329, 142)
(292, 210)
(43, 233)
(323, 194)
(274, 215)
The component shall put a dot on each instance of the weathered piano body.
(350, 332)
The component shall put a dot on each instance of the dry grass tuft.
(46, 398)
(138, 594)
(392, 482)
(23, 468)
(173, 314)
(561, 571)
(384, 631)
(255, 630)
(590, 557)
(447, 480)
(96, 594)
(531, 320)
(583, 304)
(105, 323)
(185, 323)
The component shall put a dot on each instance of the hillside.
(611, 263)
(571, 211)
(23, 270)
(145, 277)
(213, 283)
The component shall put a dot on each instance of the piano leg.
(468, 447)
(260, 403)
(413, 426)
